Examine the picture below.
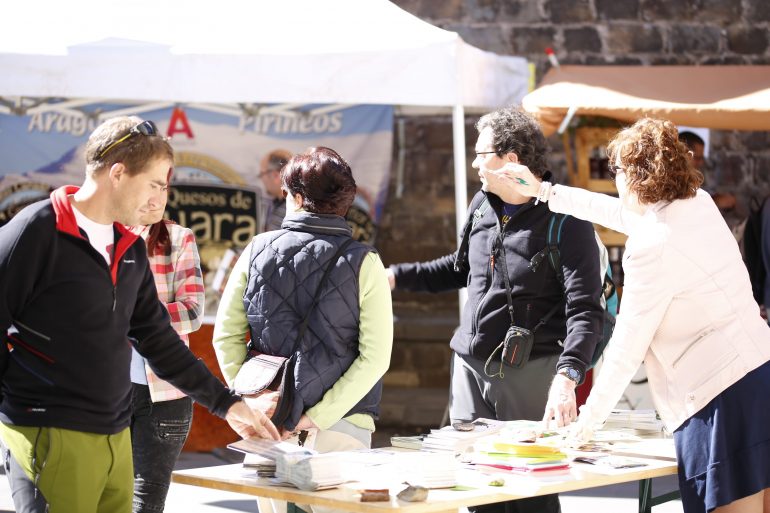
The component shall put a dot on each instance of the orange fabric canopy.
(719, 97)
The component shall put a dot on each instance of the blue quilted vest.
(285, 270)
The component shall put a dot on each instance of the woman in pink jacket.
(687, 312)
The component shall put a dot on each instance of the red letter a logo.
(179, 123)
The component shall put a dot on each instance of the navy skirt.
(724, 450)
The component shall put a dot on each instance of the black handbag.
(262, 372)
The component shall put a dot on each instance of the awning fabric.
(718, 97)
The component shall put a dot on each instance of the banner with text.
(216, 190)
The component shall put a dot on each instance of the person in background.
(724, 200)
(162, 414)
(495, 260)
(270, 173)
(75, 289)
(688, 312)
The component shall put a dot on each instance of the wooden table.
(236, 478)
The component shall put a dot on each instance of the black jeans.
(158, 432)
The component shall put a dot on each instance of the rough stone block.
(583, 39)
(757, 10)
(712, 11)
(521, 11)
(618, 60)
(526, 40)
(433, 356)
(569, 11)
(489, 37)
(666, 10)
(757, 142)
(634, 38)
(435, 378)
(730, 169)
(401, 378)
(694, 39)
(722, 59)
(483, 11)
(671, 60)
(400, 357)
(617, 9)
(747, 40)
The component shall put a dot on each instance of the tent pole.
(461, 187)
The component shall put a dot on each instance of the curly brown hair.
(655, 161)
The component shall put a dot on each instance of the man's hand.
(250, 423)
(561, 408)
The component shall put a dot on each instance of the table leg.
(647, 501)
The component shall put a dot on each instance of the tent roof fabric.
(718, 97)
(292, 51)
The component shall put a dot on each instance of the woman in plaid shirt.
(162, 414)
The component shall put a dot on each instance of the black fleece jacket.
(68, 319)
(572, 331)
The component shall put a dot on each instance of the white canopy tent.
(246, 51)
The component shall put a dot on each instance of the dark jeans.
(158, 432)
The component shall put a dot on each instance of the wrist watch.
(571, 373)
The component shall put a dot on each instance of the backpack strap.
(461, 258)
(551, 250)
(552, 241)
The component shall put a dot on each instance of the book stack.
(641, 422)
(452, 440)
(310, 472)
(503, 455)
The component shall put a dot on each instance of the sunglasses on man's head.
(147, 128)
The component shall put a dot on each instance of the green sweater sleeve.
(231, 326)
(375, 342)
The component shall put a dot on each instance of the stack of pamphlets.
(407, 442)
(505, 455)
(641, 422)
(310, 472)
(431, 469)
(261, 454)
(456, 441)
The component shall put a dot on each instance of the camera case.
(517, 346)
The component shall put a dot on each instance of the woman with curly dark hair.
(688, 313)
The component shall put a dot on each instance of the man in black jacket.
(75, 291)
(512, 284)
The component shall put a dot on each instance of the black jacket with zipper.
(572, 331)
(67, 318)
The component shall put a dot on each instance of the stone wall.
(420, 224)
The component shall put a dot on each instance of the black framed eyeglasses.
(147, 128)
(479, 153)
(615, 170)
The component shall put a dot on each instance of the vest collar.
(329, 224)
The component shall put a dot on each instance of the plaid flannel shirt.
(179, 281)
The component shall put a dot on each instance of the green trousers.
(73, 470)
